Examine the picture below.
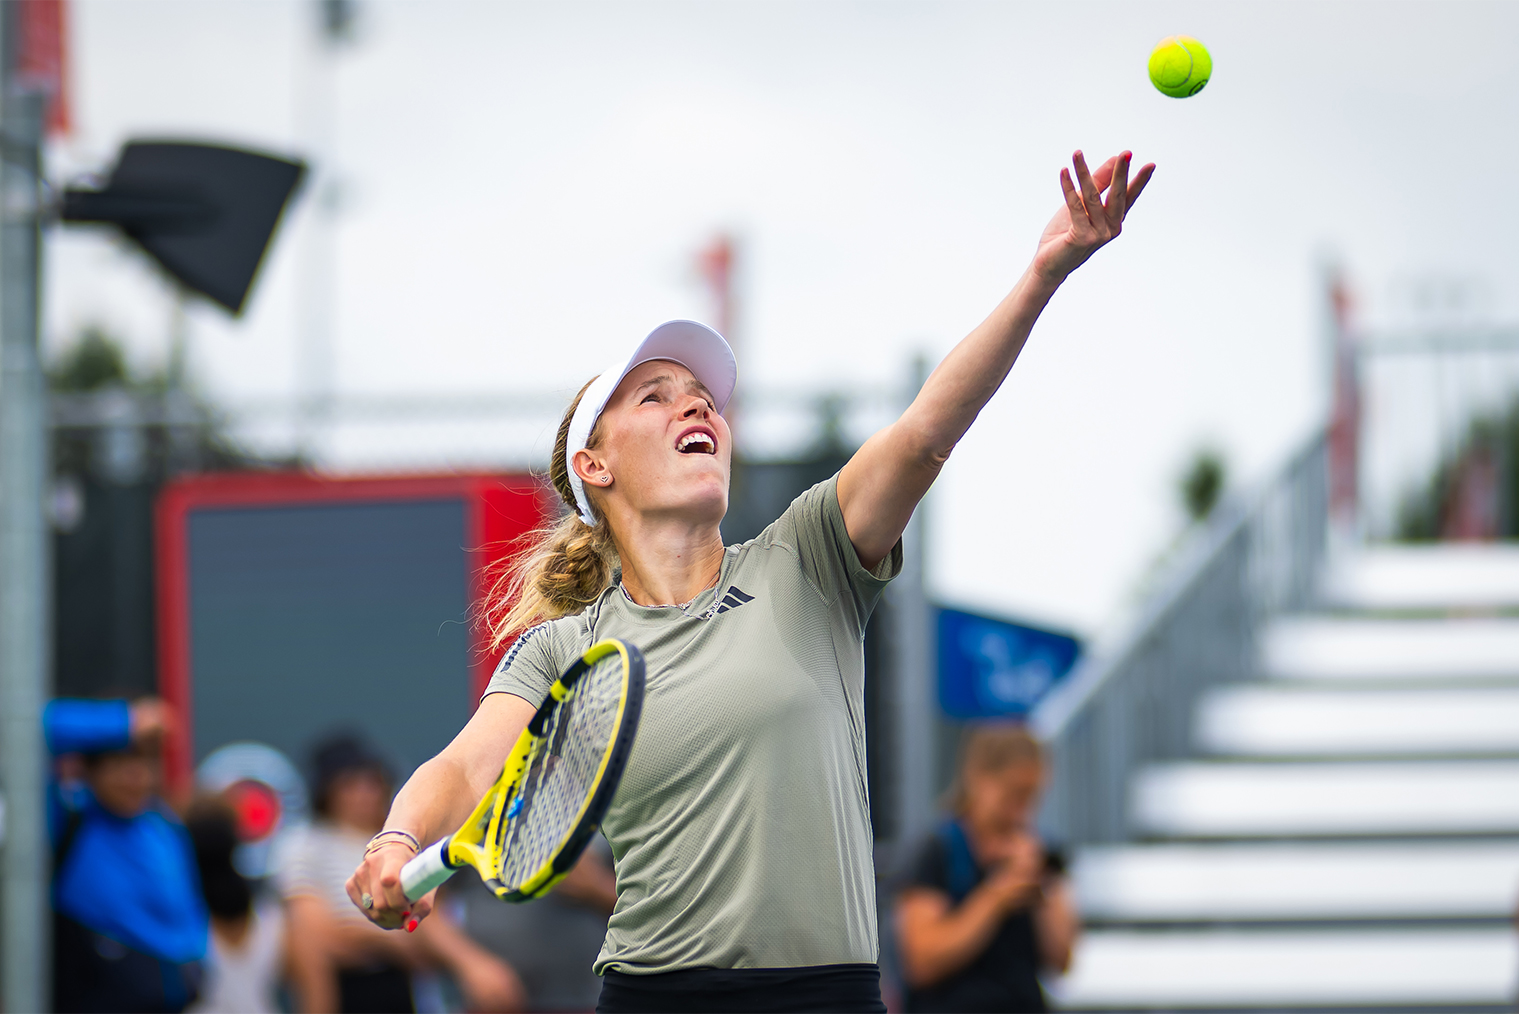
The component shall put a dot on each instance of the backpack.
(960, 865)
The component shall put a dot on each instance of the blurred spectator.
(553, 942)
(129, 925)
(986, 907)
(247, 955)
(342, 961)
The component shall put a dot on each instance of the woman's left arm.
(881, 485)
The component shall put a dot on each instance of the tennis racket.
(555, 787)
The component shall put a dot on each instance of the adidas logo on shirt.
(733, 599)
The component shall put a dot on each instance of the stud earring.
(606, 479)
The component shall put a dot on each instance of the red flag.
(41, 56)
(717, 266)
(1345, 412)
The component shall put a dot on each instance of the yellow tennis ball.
(1180, 66)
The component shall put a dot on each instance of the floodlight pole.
(911, 636)
(25, 929)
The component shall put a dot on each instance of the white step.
(1194, 799)
(1435, 649)
(1318, 880)
(1281, 969)
(1439, 576)
(1273, 720)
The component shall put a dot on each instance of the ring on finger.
(367, 901)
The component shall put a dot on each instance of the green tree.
(1202, 484)
(94, 361)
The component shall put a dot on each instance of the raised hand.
(882, 484)
(150, 719)
(1086, 221)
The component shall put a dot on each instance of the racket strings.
(562, 771)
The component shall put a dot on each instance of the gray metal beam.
(24, 584)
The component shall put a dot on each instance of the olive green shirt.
(741, 832)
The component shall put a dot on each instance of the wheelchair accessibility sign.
(991, 668)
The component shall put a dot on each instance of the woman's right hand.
(378, 878)
(437, 798)
(1015, 880)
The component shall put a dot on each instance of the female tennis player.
(741, 830)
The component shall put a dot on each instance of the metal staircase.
(1336, 828)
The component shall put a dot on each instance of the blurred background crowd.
(166, 907)
(1212, 619)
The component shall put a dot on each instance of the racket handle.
(426, 870)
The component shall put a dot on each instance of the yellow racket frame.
(477, 843)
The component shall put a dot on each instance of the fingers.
(1118, 194)
(1104, 174)
(1073, 202)
(420, 910)
(1138, 183)
(375, 889)
(390, 898)
(1113, 177)
(1087, 222)
(1089, 189)
(369, 900)
(149, 718)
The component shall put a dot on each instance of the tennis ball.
(1180, 66)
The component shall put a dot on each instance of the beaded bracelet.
(389, 837)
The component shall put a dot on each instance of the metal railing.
(1133, 703)
(1421, 394)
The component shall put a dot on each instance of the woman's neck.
(668, 562)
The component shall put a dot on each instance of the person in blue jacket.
(129, 920)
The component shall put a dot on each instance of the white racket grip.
(426, 870)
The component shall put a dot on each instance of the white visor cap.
(695, 346)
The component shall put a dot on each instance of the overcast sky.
(523, 188)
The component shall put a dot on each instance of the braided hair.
(563, 566)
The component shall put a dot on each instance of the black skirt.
(849, 988)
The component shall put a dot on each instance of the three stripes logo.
(733, 599)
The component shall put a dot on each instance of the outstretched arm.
(889, 475)
(438, 798)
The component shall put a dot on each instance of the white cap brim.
(695, 346)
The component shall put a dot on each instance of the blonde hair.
(991, 748)
(560, 568)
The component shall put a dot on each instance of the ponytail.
(564, 566)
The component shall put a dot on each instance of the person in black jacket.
(986, 907)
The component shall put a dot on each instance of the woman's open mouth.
(697, 441)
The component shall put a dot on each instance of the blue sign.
(991, 668)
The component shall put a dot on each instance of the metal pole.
(24, 586)
(317, 362)
(913, 647)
